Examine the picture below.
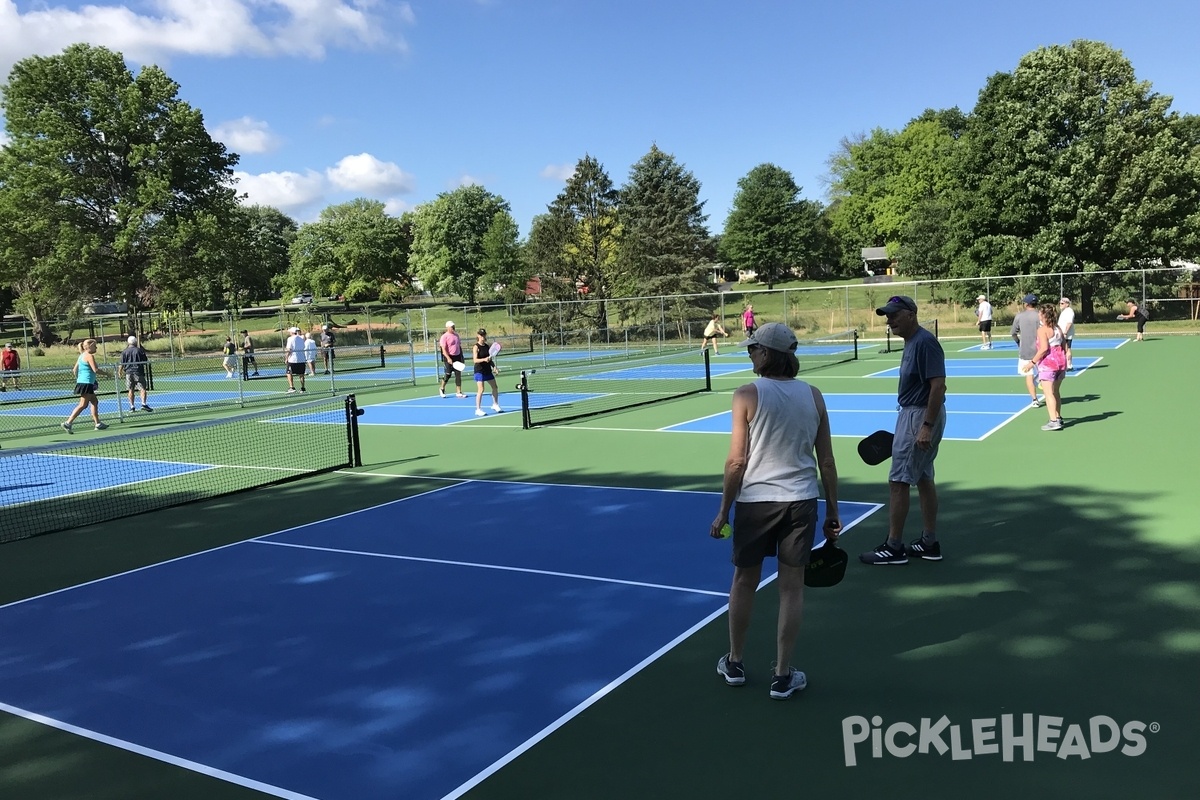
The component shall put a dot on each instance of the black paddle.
(876, 448)
(826, 566)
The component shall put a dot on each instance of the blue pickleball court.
(30, 477)
(1081, 343)
(987, 368)
(109, 404)
(969, 417)
(451, 410)
(369, 656)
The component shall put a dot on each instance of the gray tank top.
(782, 467)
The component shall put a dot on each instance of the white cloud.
(365, 173)
(288, 191)
(395, 206)
(303, 195)
(558, 172)
(204, 27)
(246, 135)
(467, 180)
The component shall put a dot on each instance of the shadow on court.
(1053, 612)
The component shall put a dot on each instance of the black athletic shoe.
(919, 549)
(732, 671)
(885, 554)
(784, 686)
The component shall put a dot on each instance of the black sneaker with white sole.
(918, 548)
(732, 671)
(885, 554)
(784, 686)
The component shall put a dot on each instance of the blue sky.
(328, 100)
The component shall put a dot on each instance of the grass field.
(1069, 592)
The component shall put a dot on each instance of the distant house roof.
(874, 254)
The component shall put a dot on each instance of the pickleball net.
(894, 344)
(825, 351)
(562, 393)
(63, 486)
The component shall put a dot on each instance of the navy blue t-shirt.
(923, 360)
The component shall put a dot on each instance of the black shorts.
(297, 368)
(985, 325)
(86, 388)
(449, 365)
(784, 530)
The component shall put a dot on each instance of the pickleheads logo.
(1029, 734)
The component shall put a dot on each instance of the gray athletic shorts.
(784, 530)
(911, 464)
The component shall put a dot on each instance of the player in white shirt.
(1066, 324)
(983, 310)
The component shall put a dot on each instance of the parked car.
(302, 298)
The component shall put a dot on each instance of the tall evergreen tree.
(664, 241)
(586, 214)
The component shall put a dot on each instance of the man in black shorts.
(248, 359)
(327, 342)
(134, 366)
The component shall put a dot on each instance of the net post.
(523, 387)
(707, 371)
(381, 361)
(856, 344)
(354, 449)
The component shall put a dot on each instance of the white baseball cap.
(293, 330)
(449, 324)
(982, 297)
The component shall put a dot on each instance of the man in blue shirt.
(134, 363)
(919, 428)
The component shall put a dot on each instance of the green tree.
(545, 257)
(503, 266)
(113, 174)
(353, 249)
(448, 253)
(586, 211)
(1071, 163)
(663, 248)
(879, 182)
(767, 229)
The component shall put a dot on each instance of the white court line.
(499, 567)
(158, 755)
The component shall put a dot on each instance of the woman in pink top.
(748, 319)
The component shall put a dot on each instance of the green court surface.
(1070, 592)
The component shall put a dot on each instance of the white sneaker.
(496, 407)
(784, 686)
(291, 391)
(442, 394)
(479, 412)
(100, 426)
